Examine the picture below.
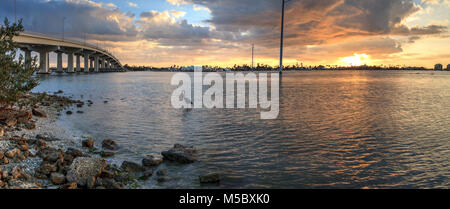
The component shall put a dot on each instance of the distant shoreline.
(337, 70)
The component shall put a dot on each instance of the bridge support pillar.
(78, 67)
(101, 63)
(27, 63)
(70, 63)
(59, 67)
(86, 63)
(96, 62)
(43, 62)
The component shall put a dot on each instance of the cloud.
(131, 4)
(82, 18)
(315, 21)
(165, 28)
(178, 2)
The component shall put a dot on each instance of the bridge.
(96, 59)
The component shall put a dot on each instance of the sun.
(355, 60)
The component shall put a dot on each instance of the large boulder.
(180, 154)
(83, 169)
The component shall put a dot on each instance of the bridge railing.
(70, 40)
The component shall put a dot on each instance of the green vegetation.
(16, 77)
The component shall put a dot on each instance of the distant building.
(438, 67)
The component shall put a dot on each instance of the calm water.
(335, 129)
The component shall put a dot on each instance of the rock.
(10, 122)
(1, 155)
(107, 174)
(72, 185)
(107, 153)
(161, 172)
(49, 154)
(69, 112)
(180, 154)
(23, 117)
(84, 168)
(16, 172)
(57, 178)
(5, 174)
(210, 178)
(2, 184)
(59, 92)
(90, 183)
(24, 147)
(46, 138)
(107, 183)
(2, 132)
(41, 144)
(46, 168)
(74, 152)
(161, 179)
(89, 143)
(80, 112)
(79, 105)
(39, 112)
(110, 144)
(30, 125)
(20, 156)
(150, 161)
(131, 167)
(5, 161)
(12, 153)
(147, 174)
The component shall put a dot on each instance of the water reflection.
(335, 129)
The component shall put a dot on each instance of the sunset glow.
(163, 33)
(356, 60)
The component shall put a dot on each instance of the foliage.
(16, 77)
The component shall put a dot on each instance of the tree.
(16, 77)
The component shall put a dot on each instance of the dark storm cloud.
(314, 21)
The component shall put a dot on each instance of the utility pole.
(253, 53)
(281, 40)
(15, 11)
(282, 34)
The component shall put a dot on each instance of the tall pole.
(282, 31)
(15, 11)
(253, 52)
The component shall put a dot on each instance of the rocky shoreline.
(37, 154)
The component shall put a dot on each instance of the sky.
(163, 33)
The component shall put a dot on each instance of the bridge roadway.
(95, 58)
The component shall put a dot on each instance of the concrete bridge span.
(95, 58)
